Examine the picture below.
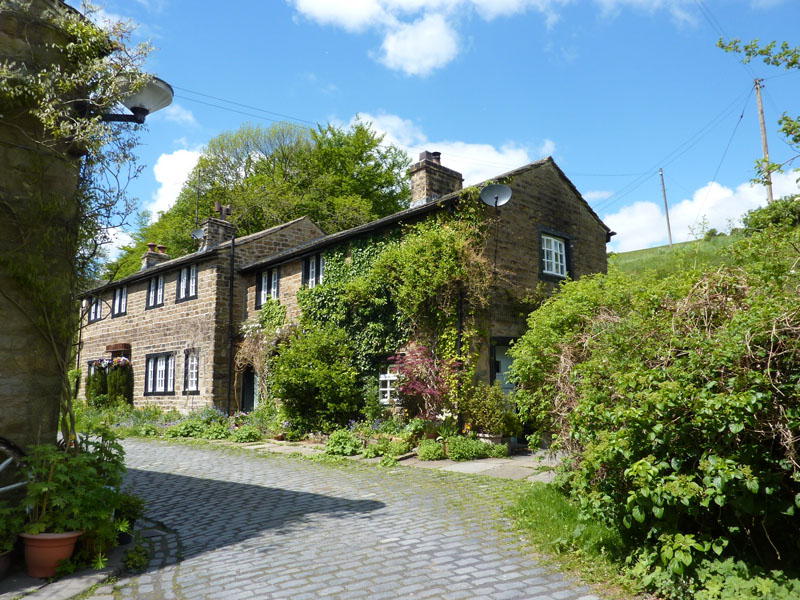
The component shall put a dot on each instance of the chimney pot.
(151, 247)
(161, 248)
(436, 157)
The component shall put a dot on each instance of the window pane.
(321, 269)
(150, 362)
(151, 293)
(160, 290)
(193, 280)
(273, 293)
(312, 272)
(264, 287)
(160, 373)
(192, 364)
(171, 374)
(124, 300)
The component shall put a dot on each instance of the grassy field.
(663, 260)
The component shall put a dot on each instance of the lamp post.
(157, 94)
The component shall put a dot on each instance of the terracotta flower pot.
(43, 551)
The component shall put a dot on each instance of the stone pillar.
(38, 239)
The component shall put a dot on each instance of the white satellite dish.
(496, 194)
(197, 234)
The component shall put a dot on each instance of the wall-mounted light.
(157, 94)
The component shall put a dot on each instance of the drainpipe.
(230, 327)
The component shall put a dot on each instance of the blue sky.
(612, 89)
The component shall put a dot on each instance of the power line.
(709, 16)
(243, 105)
(671, 157)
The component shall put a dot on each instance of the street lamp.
(157, 94)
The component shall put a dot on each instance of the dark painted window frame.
(272, 272)
(95, 314)
(153, 281)
(319, 266)
(155, 356)
(189, 278)
(186, 354)
(567, 251)
(121, 313)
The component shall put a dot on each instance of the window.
(155, 292)
(191, 372)
(120, 306)
(267, 286)
(387, 386)
(159, 374)
(313, 270)
(554, 256)
(187, 284)
(95, 309)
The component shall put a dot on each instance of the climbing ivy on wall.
(407, 284)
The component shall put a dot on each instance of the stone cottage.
(174, 319)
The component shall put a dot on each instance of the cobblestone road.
(240, 525)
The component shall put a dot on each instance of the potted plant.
(11, 522)
(65, 496)
(487, 411)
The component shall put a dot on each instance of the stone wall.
(201, 324)
(38, 227)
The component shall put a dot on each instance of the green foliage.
(246, 433)
(188, 428)
(342, 442)
(678, 399)
(337, 177)
(96, 385)
(131, 507)
(272, 315)
(137, 558)
(784, 56)
(782, 213)
(430, 450)
(120, 383)
(316, 380)
(467, 448)
(11, 523)
(486, 409)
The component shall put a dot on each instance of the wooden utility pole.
(666, 208)
(764, 139)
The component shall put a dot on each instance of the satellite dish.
(197, 234)
(496, 195)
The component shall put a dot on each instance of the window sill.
(186, 299)
(191, 392)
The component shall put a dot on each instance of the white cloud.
(176, 113)
(476, 162)
(595, 195)
(682, 11)
(353, 15)
(420, 47)
(643, 224)
(118, 239)
(171, 171)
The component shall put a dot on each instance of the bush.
(189, 428)
(316, 381)
(430, 450)
(678, 399)
(486, 409)
(246, 433)
(464, 448)
(97, 383)
(119, 382)
(215, 431)
(343, 443)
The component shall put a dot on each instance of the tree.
(63, 186)
(788, 58)
(339, 178)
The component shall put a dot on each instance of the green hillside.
(664, 260)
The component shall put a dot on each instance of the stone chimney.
(152, 258)
(216, 231)
(430, 180)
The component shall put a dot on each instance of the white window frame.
(160, 374)
(120, 306)
(193, 281)
(387, 385)
(95, 309)
(155, 291)
(554, 256)
(273, 287)
(187, 284)
(312, 272)
(192, 371)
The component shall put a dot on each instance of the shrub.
(316, 381)
(464, 448)
(343, 443)
(119, 381)
(486, 409)
(246, 433)
(430, 450)
(188, 428)
(678, 398)
(97, 383)
(215, 431)
(423, 382)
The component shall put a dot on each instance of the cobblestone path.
(237, 525)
